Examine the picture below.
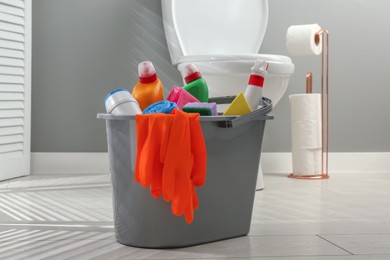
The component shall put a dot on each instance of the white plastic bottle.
(254, 92)
(121, 102)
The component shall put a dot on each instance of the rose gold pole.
(325, 33)
(324, 172)
(309, 82)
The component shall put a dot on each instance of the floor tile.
(71, 217)
(362, 243)
(4, 184)
(99, 245)
(318, 226)
(344, 257)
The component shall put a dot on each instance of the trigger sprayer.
(254, 92)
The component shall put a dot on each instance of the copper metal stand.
(324, 101)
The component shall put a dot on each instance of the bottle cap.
(117, 97)
(191, 73)
(146, 72)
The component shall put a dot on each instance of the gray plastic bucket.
(225, 200)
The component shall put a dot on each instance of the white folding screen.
(15, 88)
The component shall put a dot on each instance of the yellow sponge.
(238, 107)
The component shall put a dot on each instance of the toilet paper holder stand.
(324, 108)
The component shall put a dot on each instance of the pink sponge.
(181, 97)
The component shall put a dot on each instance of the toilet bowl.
(222, 39)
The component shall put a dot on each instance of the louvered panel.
(11, 88)
(11, 113)
(17, 37)
(11, 45)
(11, 96)
(9, 18)
(11, 10)
(10, 27)
(11, 139)
(11, 70)
(11, 155)
(16, 3)
(11, 62)
(11, 53)
(11, 122)
(11, 79)
(15, 87)
(11, 130)
(6, 148)
(11, 105)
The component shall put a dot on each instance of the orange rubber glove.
(152, 132)
(171, 158)
(199, 151)
(178, 157)
(185, 160)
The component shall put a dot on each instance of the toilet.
(222, 39)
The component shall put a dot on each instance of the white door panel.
(15, 88)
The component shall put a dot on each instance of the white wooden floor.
(70, 217)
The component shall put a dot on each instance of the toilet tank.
(207, 27)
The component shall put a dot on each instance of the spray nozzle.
(260, 68)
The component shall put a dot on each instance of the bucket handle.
(258, 114)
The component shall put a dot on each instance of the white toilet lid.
(204, 27)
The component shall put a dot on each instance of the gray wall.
(81, 51)
(84, 49)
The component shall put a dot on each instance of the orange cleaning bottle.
(149, 89)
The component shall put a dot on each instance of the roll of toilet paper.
(302, 40)
(306, 133)
(307, 161)
(305, 107)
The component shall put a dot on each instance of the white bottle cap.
(118, 97)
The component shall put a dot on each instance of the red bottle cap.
(256, 80)
(191, 73)
(146, 72)
(148, 79)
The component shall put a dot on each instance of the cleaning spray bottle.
(196, 85)
(149, 89)
(254, 92)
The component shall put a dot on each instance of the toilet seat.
(278, 64)
(226, 57)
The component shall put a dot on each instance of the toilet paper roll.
(305, 107)
(302, 40)
(307, 162)
(306, 134)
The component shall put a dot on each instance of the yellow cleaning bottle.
(149, 89)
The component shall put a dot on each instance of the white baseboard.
(69, 163)
(338, 162)
(97, 163)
